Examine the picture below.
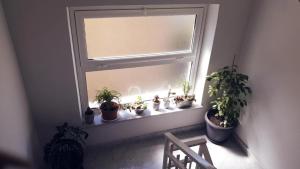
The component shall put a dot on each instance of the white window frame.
(82, 64)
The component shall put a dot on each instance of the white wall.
(14, 113)
(271, 57)
(40, 34)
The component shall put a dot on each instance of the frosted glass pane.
(120, 36)
(146, 81)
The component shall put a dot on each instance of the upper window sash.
(131, 60)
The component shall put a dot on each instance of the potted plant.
(186, 100)
(156, 103)
(108, 107)
(138, 106)
(65, 150)
(89, 116)
(167, 100)
(229, 90)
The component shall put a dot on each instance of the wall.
(14, 113)
(270, 56)
(40, 34)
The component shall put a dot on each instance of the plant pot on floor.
(215, 133)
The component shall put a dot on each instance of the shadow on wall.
(15, 128)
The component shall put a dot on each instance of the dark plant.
(229, 90)
(89, 111)
(107, 95)
(65, 150)
(156, 99)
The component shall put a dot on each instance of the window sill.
(126, 115)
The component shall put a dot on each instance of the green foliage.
(107, 95)
(138, 104)
(229, 90)
(186, 88)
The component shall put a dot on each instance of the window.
(131, 82)
(124, 36)
(136, 51)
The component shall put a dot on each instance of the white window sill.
(126, 115)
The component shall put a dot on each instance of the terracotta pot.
(109, 110)
(215, 133)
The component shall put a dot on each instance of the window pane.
(120, 36)
(146, 81)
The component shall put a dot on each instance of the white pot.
(184, 104)
(167, 103)
(156, 106)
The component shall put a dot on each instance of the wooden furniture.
(191, 159)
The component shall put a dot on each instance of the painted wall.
(14, 112)
(40, 33)
(271, 57)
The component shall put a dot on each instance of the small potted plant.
(229, 90)
(108, 107)
(65, 150)
(186, 100)
(89, 116)
(138, 106)
(167, 100)
(156, 103)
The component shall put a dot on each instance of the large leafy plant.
(107, 95)
(229, 90)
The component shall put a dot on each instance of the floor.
(148, 153)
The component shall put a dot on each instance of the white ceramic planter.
(184, 104)
(167, 103)
(156, 106)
